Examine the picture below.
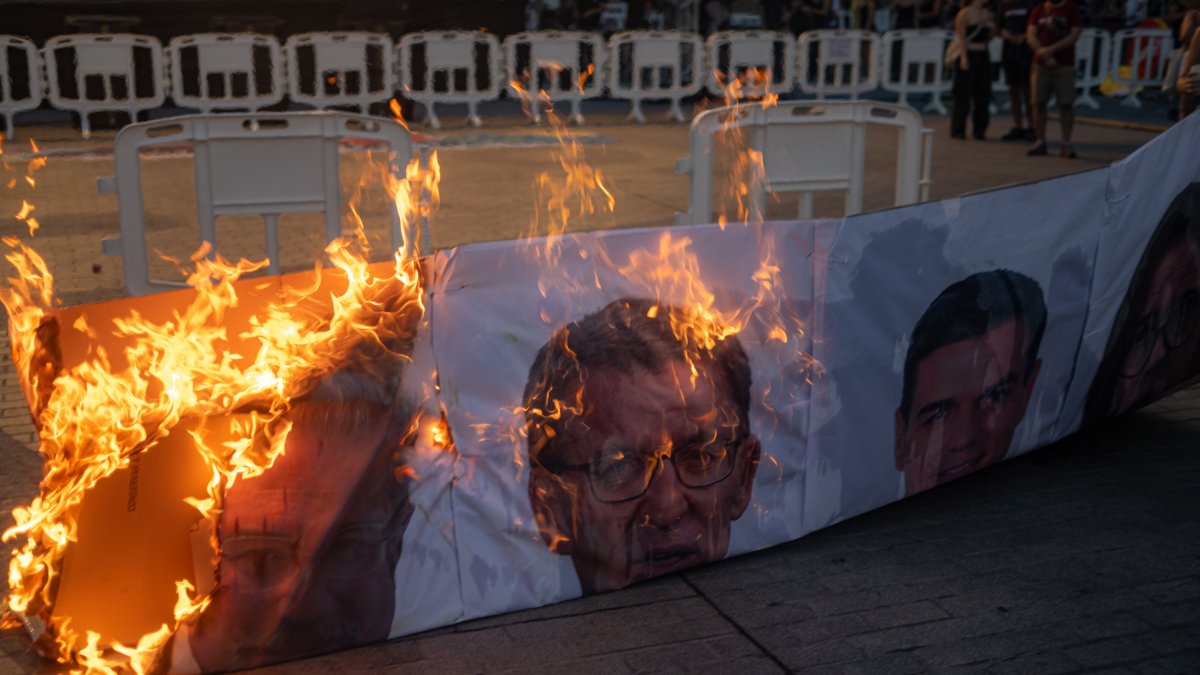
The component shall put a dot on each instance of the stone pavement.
(1081, 557)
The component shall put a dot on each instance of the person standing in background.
(929, 14)
(973, 28)
(1017, 60)
(1054, 28)
(1187, 86)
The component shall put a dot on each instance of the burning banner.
(303, 463)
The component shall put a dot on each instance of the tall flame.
(100, 413)
(747, 174)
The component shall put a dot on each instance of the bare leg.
(1039, 121)
(1014, 102)
(1066, 119)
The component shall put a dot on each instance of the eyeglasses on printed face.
(1181, 323)
(619, 475)
(265, 562)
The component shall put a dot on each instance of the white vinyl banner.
(949, 337)
(525, 541)
(888, 353)
(576, 414)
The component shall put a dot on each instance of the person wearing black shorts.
(1016, 58)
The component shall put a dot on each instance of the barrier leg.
(576, 115)
(806, 205)
(473, 114)
(208, 230)
(271, 223)
(926, 164)
(676, 112)
(535, 109)
(1132, 100)
(432, 120)
(1085, 98)
(635, 112)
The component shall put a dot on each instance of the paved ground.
(1082, 557)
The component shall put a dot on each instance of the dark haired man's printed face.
(1165, 345)
(967, 400)
(307, 553)
(652, 487)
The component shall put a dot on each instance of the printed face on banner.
(641, 452)
(1163, 348)
(968, 377)
(308, 548)
(1155, 343)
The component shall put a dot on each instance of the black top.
(1014, 15)
(977, 33)
(906, 17)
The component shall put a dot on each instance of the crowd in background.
(1039, 63)
(708, 16)
(1038, 50)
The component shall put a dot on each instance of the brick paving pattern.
(1080, 557)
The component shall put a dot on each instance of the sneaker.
(1038, 150)
(1017, 134)
(1066, 150)
(962, 136)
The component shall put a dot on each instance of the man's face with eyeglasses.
(1165, 346)
(307, 552)
(654, 481)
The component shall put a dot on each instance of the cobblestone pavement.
(1080, 557)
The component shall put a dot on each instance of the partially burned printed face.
(654, 482)
(651, 460)
(309, 547)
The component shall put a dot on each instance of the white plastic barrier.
(88, 73)
(264, 164)
(1093, 57)
(228, 71)
(846, 63)
(1145, 52)
(12, 99)
(920, 68)
(655, 65)
(556, 66)
(457, 67)
(808, 146)
(731, 54)
(340, 69)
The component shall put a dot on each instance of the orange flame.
(566, 199)
(747, 174)
(103, 411)
(398, 114)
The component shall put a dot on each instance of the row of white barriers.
(87, 73)
(273, 164)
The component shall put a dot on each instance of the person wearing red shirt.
(1054, 28)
